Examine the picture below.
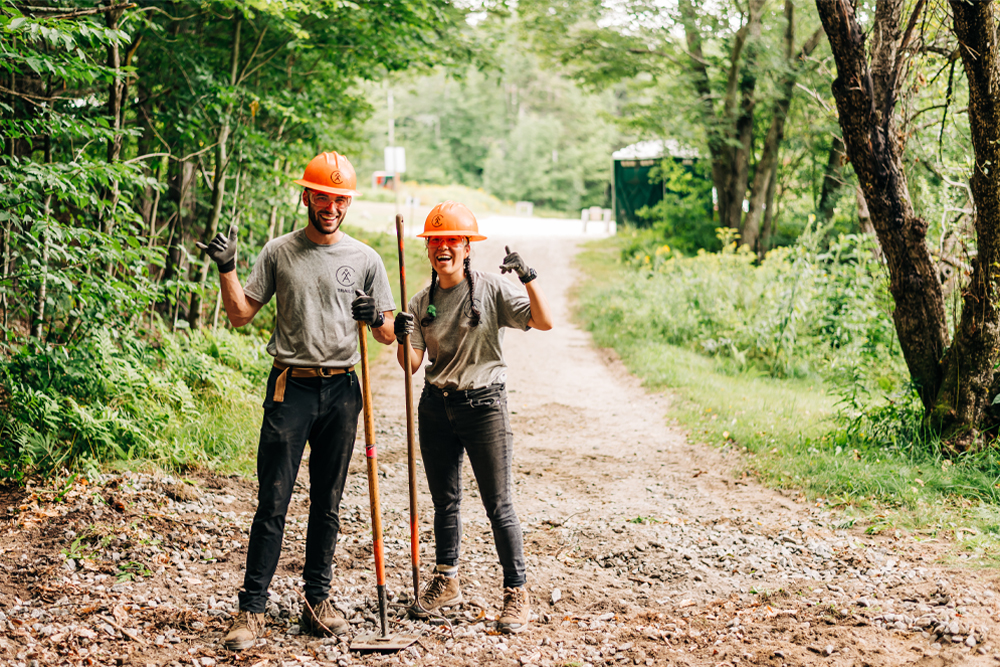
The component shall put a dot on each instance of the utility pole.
(392, 144)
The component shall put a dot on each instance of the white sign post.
(395, 164)
(395, 159)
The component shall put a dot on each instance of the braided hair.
(476, 316)
(432, 311)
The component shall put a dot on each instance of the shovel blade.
(373, 641)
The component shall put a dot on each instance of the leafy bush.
(804, 310)
(115, 397)
(683, 218)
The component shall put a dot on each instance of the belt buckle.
(326, 372)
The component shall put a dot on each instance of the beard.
(317, 223)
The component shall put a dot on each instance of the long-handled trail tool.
(416, 608)
(375, 641)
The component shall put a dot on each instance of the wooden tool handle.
(372, 456)
(411, 453)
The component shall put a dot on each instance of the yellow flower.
(663, 249)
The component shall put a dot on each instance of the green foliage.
(520, 131)
(190, 398)
(125, 398)
(683, 218)
(804, 310)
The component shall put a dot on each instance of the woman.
(459, 321)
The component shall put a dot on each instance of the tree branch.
(253, 54)
(70, 12)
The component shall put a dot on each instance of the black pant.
(475, 422)
(323, 411)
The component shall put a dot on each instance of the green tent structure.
(631, 188)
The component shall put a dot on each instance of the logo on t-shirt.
(467, 308)
(345, 275)
(336, 178)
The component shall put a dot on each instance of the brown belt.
(302, 372)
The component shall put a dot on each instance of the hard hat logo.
(331, 173)
(452, 219)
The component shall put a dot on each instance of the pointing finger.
(507, 249)
(201, 245)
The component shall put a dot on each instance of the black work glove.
(513, 262)
(402, 326)
(222, 251)
(363, 310)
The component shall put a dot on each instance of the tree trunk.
(218, 178)
(115, 94)
(765, 169)
(866, 99)
(41, 293)
(864, 217)
(969, 364)
(833, 179)
(767, 229)
(734, 122)
(739, 175)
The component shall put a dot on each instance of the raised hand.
(513, 263)
(222, 250)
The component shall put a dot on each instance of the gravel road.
(643, 548)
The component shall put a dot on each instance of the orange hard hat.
(451, 219)
(332, 173)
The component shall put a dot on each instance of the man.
(322, 278)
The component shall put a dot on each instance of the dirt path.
(642, 549)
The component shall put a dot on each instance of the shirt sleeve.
(417, 337)
(260, 284)
(513, 305)
(377, 284)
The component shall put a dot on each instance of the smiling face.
(447, 255)
(326, 211)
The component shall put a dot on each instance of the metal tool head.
(374, 641)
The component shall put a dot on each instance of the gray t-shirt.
(461, 356)
(315, 286)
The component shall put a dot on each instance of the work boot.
(313, 620)
(516, 607)
(442, 591)
(246, 627)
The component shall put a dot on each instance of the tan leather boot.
(323, 614)
(441, 592)
(246, 628)
(516, 608)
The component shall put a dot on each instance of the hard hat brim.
(347, 192)
(452, 232)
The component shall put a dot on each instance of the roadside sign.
(395, 159)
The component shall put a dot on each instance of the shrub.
(116, 397)
(803, 310)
